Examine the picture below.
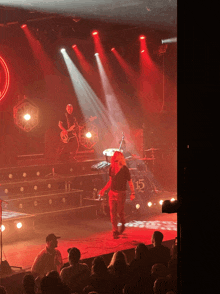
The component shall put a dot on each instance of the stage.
(93, 237)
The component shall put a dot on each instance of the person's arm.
(107, 186)
(60, 125)
(131, 186)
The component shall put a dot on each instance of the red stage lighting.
(112, 49)
(94, 33)
(142, 37)
(142, 51)
(23, 26)
(74, 46)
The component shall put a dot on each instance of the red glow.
(94, 33)
(23, 26)
(83, 62)
(112, 49)
(142, 51)
(5, 78)
(142, 37)
(74, 46)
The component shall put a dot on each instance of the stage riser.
(40, 171)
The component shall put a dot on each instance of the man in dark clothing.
(159, 253)
(69, 135)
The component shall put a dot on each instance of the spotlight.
(96, 54)
(74, 46)
(88, 135)
(19, 225)
(138, 206)
(161, 202)
(142, 37)
(23, 26)
(94, 33)
(2, 228)
(62, 50)
(27, 116)
(142, 51)
(149, 204)
(172, 199)
(112, 49)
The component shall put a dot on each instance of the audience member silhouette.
(118, 267)
(140, 269)
(161, 286)
(159, 253)
(29, 284)
(100, 279)
(77, 274)
(3, 290)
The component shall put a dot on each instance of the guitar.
(71, 132)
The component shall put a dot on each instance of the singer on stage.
(119, 175)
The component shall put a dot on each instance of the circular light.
(63, 200)
(2, 228)
(172, 199)
(138, 206)
(35, 188)
(161, 202)
(38, 173)
(6, 191)
(23, 26)
(35, 203)
(74, 46)
(142, 51)
(24, 175)
(22, 189)
(10, 176)
(5, 78)
(49, 185)
(50, 201)
(96, 54)
(20, 205)
(95, 33)
(88, 135)
(149, 204)
(27, 116)
(19, 225)
(71, 169)
(62, 50)
(142, 37)
(112, 49)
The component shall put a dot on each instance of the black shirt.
(68, 120)
(119, 180)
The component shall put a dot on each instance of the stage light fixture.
(142, 37)
(142, 51)
(19, 225)
(149, 204)
(62, 50)
(138, 206)
(2, 228)
(88, 135)
(172, 199)
(161, 202)
(10, 176)
(23, 26)
(24, 175)
(26, 115)
(22, 189)
(94, 33)
(112, 49)
(96, 54)
(38, 173)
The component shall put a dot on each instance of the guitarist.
(70, 128)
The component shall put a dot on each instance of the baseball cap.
(51, 237)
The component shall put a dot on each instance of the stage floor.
(92, 237)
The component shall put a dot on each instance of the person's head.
(118, 255)
(118, 159)
(28, 283)
(161, 286)
(69, 108)
(74, 255)
(159, 270)
(98, 266)
(141, 251)
(157, 238)
(51, 241)
(3, 290)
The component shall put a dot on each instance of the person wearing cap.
(48, 259)
(76, 275)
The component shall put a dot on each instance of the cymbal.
(110, 151)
